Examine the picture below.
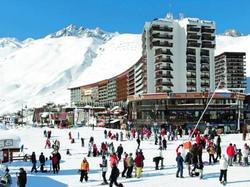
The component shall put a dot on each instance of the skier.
(164, 144)
(58, 155)
(105, 134)
(104, 166)
(113, 176)
(158, 158)
(223, 169)
(138, 142)
(245, 154)
(211, 151)
(188, 162)
(84, 170)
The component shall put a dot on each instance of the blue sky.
(37, 18)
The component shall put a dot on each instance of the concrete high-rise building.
(230, 71)
(179, 54)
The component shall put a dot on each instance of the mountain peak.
(232, 33)
(73, 30)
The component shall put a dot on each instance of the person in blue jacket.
(179, 161)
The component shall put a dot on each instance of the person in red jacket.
(230, 154)
(138, 164)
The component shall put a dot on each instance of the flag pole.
(190, 136)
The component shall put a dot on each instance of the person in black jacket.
(119, 151)
(33, 160)
(58, 155)
(42, 162)
(188, 161)
(113, 176)
(21, 178)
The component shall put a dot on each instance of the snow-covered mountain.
(33, 72)
(232, 32)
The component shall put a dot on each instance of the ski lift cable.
(190, 136)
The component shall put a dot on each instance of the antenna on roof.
(170, 14)
(181, 16)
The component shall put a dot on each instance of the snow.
(35, 72)
(33, 140)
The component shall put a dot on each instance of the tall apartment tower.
(230, 70)
(179, 54)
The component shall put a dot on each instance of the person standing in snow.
(58, 155)
(119, 151)
(84, 170)
(223, 169)
(33, 160)
(114, 176)
(138, 164)
(245, 154)
(230, 154)
(104, 166)
(125, 164)
(54, 161)
(130, 165)
(21, 178)
(42, 162)
(179, 161)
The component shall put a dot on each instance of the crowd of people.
(189, 154)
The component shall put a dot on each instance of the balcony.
(207, 45)
(204, 76)
(205, 60)
(163, 59)
(191, 59)
(204, 52)
(204, 68)
(161, 36)
(193, 36)
(191, 75)
(193, 44)
(204, 84)
(208, 37)
(164, 52)
(163, 89)
(191, 51)
(161, 44)
(161, 28)
(205, 29)
(191, 67)
(191, 83)
(193, 28)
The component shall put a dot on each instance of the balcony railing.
(193, 28)
(190, 51)
(193, 44)
(164, 52)
(207, 45)
(161, 36)
(191, 59)
(207, 30)
(159, 28)
(191, 68)
(161, 44)
(208, 37)
(193, 36)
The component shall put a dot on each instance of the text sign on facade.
(8, 143)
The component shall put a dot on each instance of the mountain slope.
(33, 72)
(38, 71)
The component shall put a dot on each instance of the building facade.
(180, 55)
(186, 108)
(230, 71)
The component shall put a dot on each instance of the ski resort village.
(168, 107)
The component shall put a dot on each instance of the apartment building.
(180, 55)
(230, 71)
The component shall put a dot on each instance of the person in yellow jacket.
(84, 170)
